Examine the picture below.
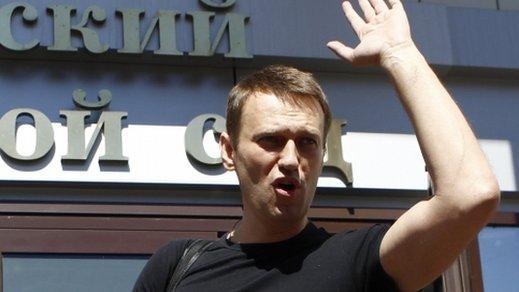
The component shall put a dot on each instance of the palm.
(382, 30)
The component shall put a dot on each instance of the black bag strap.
(193, 250)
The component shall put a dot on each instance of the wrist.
(401, 56)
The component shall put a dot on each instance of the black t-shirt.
(313, 260)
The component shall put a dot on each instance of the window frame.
(100, 228)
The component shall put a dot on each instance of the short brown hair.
(287, 83)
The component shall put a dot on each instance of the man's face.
(278, 158)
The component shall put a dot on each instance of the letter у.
(165, 21)
(63, 29)
(44, 134)
(335, 160)
(6, 13)
(193, 138)
(109, 123)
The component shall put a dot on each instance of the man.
(277, 120)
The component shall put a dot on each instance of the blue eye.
(308, 142)
(270, 142)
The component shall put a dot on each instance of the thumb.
(342, 51)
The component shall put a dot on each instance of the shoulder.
(373, 233)
(361, 251)
(159, 268)
(168, 255)
(352, 239)
(171, 250)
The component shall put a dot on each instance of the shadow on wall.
(151, 94)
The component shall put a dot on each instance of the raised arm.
(426, 239)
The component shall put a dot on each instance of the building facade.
(109, 112)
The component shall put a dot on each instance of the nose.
(289, 157)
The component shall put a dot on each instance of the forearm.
(423, 242)
(466, 191)
(450, 149)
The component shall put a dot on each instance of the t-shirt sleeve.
(368, 271)
(155, 275)
(376, 277)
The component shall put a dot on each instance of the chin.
(288, 215)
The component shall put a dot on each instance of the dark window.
(499, 249)
(64, 273)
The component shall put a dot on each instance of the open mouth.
(287, 186)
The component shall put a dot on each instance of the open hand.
(382, 31)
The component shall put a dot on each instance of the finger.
(355, 20)
(369, 12)
(379, 5)
(341, 50)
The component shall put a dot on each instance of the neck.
(255, 231)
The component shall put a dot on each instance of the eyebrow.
(267, 132)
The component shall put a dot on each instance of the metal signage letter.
(109, 123)
(234, 23)
(195, 135)
(62, 29)
(104, 97)
(166, 23)
(335, 160)
(224, 4)
(44, 134)
(6, 13)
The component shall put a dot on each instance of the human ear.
(227, 151)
